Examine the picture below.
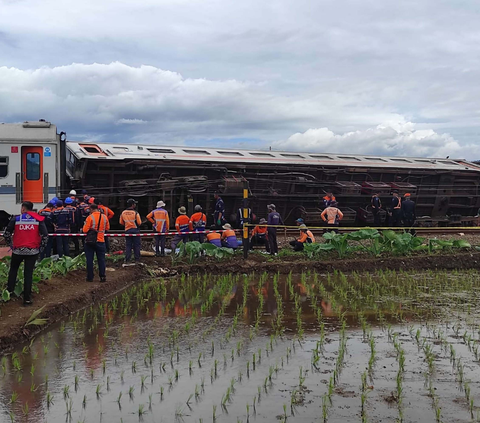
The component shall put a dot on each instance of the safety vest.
(230, 237)
(100, 226)
(214, 238)
(160, 219)
(27, 233)
(47, 213)
(62, 218)
(182, 223)
(199, 221)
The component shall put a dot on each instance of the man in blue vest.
(27, 235)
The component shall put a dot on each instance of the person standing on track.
(109, 214)
(182, 224)
(62, 219)
(98, 222)
(274, 219)
(47, 213)
(332, 215)
(132, 221)
(161, 223)
(408, 212)
(219, 214)
(376, 205)
(396, 210)
(198, 222)
(27, 236)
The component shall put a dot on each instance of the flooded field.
(383, 347)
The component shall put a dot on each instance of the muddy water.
(183, 350)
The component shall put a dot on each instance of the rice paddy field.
(307, 347)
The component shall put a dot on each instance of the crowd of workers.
(28, 233)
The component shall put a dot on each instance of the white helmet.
(73, 192)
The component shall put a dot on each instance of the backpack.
(92, 233)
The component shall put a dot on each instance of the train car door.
(32, 171)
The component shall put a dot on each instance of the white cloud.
(395, 138)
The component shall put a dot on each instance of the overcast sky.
(394, 78)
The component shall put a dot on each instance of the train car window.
(375, 159)
(204, 152)
(262, 154)
(161, 150)
(401, 160)
(33, 166)
(448, 162)
(293, 155)
(93, 149)
(3, 167)
(422, 160)
(349, 158)
(318, 156)
(230, 153)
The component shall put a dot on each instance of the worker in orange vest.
(182, 224)
(259, 235)
(214, 238)
(161, 223)
(132, 221)
(229, 239)
(306, 236)
(98, 222)
(332, 215)
(109, 214)
(198, 222)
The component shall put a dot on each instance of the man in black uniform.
(408, 212)
(376, 207)
(396, 210)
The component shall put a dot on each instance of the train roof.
(28, 131)
(114, 151)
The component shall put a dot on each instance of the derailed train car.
(37, 163)
(446, 191)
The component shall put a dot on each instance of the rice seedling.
(49, 399)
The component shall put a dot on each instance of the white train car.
(30, 165)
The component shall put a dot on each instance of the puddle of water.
(263, 348)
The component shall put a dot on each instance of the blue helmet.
(68, 200)
(54, 201)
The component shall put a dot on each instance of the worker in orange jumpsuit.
(182, 224)
(229, 239)
(332, 215)
(214, 238)
(161, 223)
(132, 221)
(109, 215)
(97, 221)
(306, 236)
(198, 222)
(259, 235)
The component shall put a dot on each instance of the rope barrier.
(394, 228)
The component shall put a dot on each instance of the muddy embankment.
(65, 295)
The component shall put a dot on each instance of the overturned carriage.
(446, 191)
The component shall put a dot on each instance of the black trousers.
(272, 240)
(259, 240)
(27, 274)
(377, 218)
(160, 244)
(297, 246)
(396, 217)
